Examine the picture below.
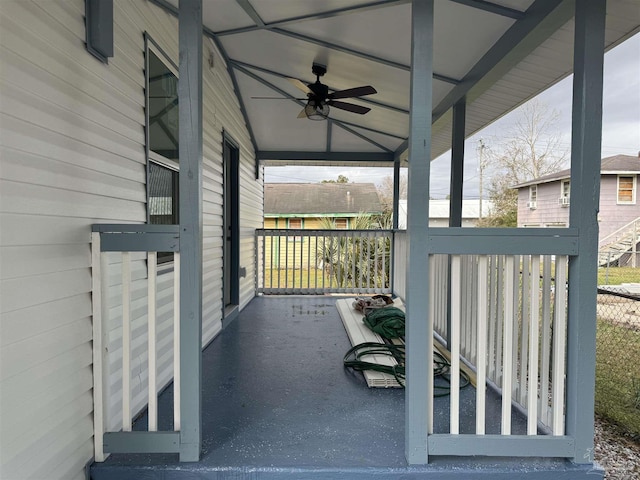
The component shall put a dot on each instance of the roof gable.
(608, 166)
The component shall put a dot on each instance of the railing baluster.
(543, 408)
(507, 365)
(527, 283)
(456, 272)
(152, 263)
(493, 318)
(126, 341)
(515, 307)
(433, 288)
(559, 343)
(481, 337)
(176, 341)
(501, 305)
(532, 411)
(99, 337)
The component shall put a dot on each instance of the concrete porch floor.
(278, 404)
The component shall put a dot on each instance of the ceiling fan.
(319, 100)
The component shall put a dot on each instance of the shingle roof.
(320, 198)
(608, 166)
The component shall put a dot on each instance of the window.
(162, 140)
(565, 188)
(342, 223)
(295, 223)
(533, 197)
(627, 189)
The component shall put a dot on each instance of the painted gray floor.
(277, 403)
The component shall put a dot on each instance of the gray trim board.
(501, 446)
(286, 155)
(457, 163)
(146, 242)
(190, 117)
(142, 442)
(502, 241)
(492, 8)
(419, 322)
(586, 140)
(134, 228)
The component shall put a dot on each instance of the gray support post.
(457, 163)
(585, 175)
(190, 116)
(419, 337)
(396, 192)
(455, 186)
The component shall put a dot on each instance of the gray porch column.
(585, 199)
(396, 192)
(190, 117)
(419, 337)
(455, 186)
(457, 163)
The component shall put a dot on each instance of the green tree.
(341, 179)
(530, 149)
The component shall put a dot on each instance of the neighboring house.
(545, 202)
(306, 205)
(439, 213)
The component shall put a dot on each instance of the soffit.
(368, 43)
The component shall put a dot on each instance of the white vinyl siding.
(73, 154)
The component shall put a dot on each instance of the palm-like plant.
(355, 261)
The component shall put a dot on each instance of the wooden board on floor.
(358, 333)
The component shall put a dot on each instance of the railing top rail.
(134, 228)
(613, 235)
(311, 232)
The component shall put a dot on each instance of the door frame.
(231, 227)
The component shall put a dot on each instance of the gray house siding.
(72, 149)
(614, 215)
(547, 212)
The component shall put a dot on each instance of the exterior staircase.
(616, 249)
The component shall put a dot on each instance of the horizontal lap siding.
(73, 154)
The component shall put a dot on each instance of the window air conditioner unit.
(532, 205)
(563, 201)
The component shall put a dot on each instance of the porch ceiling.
(497, 53)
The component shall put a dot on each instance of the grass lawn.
(295, 279)
(618, 275)
(618, 375)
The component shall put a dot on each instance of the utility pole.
(481, 147)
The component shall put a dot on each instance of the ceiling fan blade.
(349, 107)
(277, 98)
(300, 85)
(353, 92)
(303, 113)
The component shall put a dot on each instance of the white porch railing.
(324, 261)
(135, 336)
(508, 321)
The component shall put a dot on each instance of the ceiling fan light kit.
(319, 100)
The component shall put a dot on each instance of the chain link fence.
(618, 356)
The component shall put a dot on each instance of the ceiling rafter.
(315, 16)
(292, 155)
(282, 75)
(519, 40)
(492, 8)
(209, 33)
(358, 53)
(288, 96)
(249, 10)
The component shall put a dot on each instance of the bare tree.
(385, 191)
(530, 149)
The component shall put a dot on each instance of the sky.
(620, 129)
